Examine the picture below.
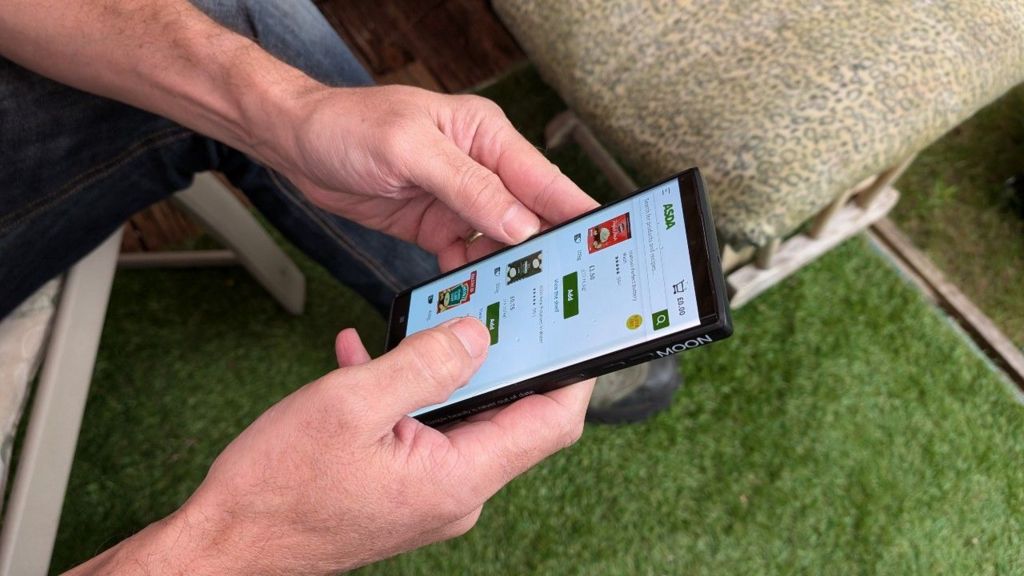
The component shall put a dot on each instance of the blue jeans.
(74, 167)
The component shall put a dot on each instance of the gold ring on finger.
(473, 237)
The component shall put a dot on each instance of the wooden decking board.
(982, 330)
(461, 43)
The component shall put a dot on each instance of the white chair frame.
(41, 477)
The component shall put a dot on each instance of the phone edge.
(718, 329)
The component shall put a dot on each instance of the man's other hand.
(336, 475)
(426, 167)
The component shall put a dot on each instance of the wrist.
(226, 86)
(272, 99)
(186, 542)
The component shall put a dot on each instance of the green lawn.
(955, 208)
(846, 428)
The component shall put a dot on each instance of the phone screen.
(618, 277)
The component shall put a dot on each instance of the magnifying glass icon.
(660, 319)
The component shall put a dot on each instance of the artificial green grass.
(187, 360)
(845, 428)
(956, 209)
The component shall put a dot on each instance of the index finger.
(532, 178)
(512, 440)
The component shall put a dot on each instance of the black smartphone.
(631, 281)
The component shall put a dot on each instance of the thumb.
(425, 368)
(349, 349)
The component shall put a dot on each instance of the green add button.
(570, 296)
(493, 314)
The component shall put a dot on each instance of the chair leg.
(41, 479)
(764, 255)
(867, 197)
(559, 129)
(733, 259)
(821, 222)
(609, 166)
(231, 223)
(568, 124)
(750, 280)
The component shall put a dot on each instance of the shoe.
(1014, 187)
(635, 393)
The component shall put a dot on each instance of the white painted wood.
(233, 225)
(747, 282)
(609, 166)
(178, 259)
(822, 220)
(559, 129)
(37, 495)
(732, 259)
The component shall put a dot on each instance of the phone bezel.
(709, 286)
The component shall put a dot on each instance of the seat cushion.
(782, 104)
(23, 335)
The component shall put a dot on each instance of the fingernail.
(519, 223)
(471, 333)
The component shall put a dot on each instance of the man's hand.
(336, 475)
(425, 167)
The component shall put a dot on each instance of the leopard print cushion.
(784, 104)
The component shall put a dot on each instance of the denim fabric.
(74, 167)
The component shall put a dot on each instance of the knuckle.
(548, 196)
(395, 131)
(483, 105)
(335, 405)
(515, 464)
(450, 501)
(452, 508)
(572, 431)
(477, 188)
(448, 504)
(462, 526)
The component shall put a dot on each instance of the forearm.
(185, 542)
(163, 56)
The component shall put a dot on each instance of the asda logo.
(670, 216)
